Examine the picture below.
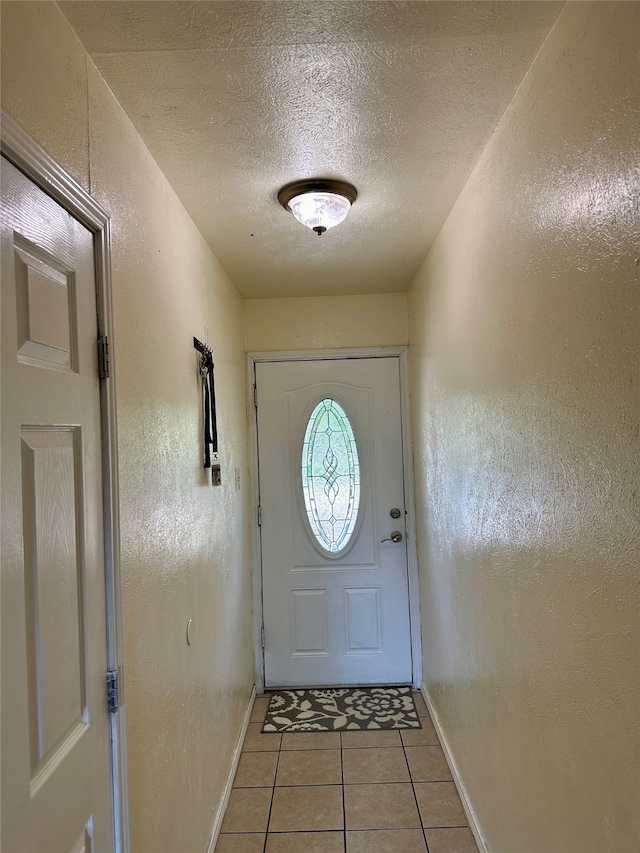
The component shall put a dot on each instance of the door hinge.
(255, 396)
(103, 357)
(262, 637)
(259, 516)
(112, 691)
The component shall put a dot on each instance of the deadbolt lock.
(395, 512)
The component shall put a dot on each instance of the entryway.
(333, 503)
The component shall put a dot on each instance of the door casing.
(402, 353)
(31, 159)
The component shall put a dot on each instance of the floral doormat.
(336, 709)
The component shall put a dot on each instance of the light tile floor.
(355, 792)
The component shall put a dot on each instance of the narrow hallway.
(344, 792)
(493, 249)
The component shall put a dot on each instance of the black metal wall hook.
(210, 425)
(203, 348)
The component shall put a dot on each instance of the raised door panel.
(363, 620)
(54, 588)
(45, 308)
(310, 622)
(84, 842)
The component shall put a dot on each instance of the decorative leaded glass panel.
(330, 476)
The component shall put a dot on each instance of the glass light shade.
(319, 209)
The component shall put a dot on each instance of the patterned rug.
(336, 709)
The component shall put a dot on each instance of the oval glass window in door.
(330, 476)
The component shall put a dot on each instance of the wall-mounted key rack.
(210, 422)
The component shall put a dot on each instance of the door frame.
(33, 161)
(402, 354)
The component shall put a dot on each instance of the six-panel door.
(56, 771)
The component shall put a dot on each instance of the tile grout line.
(413, 791)
(273, 793)
(344, 807)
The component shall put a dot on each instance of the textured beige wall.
(325, 322)
(524, 361)
(184, 543)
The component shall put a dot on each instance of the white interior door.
(335, 585)
(56, 772)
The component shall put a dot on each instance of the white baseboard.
(224, 802)
(462, 791)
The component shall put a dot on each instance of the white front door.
(56, 769)
(335, 585)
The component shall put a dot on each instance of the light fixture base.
(316, 185)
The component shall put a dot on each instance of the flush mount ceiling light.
(318, 204)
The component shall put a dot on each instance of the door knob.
(396, 536)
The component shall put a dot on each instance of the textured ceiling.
(235, 99)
